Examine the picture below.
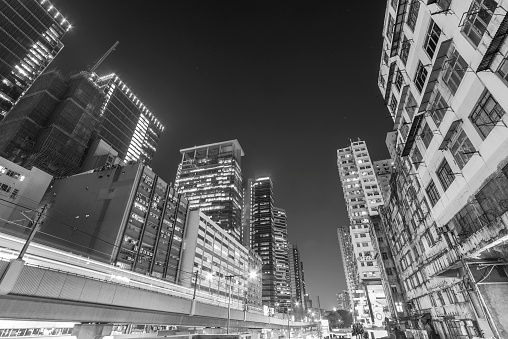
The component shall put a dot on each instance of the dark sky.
(291, 81)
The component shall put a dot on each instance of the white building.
(363, 197)
(21, 190)
(444, 76)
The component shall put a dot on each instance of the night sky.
(293, 82)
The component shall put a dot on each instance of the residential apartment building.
(31, 33)
(349, 264)
(126, 123)
(210, 177)
(125, 215)
(444, 77)
(343, 301)
(363, 198)
(220, 261)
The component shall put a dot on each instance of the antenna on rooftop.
(102, 58)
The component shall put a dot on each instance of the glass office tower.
(127, 124)
(30, 34)
(210, 176)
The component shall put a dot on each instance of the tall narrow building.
(363, 198)
(126, 123)
(210, 176)
(282, 275)
(296, 274)
(262, 234)
(30, 36)
(348, 262)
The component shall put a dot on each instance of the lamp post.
(251, 275)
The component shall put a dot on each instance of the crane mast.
(97, 64)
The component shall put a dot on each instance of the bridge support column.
(11, 275)
(91, 331)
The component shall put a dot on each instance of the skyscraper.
(348, 261)
(210, 176)
(30, 35)
(296, 274)
(363, 198)
(126, 123)
(282, 275)
(262, 234)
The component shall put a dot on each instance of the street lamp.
(252, 274)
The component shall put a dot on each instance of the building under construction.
(53, 124)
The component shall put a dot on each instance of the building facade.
(30, 35)
(220, 261)
(349, 263)
(282, 274)
(125, 215)
(363, 198)
(443, 75)
(126, 123)
(262, 234)
(52, 124)
(21, 191)
(210, 176)
(295, 272)
(343, 301)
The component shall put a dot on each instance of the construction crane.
(97, 64)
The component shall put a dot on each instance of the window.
(430, 43)
(462, 149)
(503, 69)
(404, 50)
(384, 255)
(382, 81)
(394, 4)
(411, 105)
(486, 114)
(389, 28)
(412, 17)
(393, 104)
(445, 175)
(385, 57)
(420, 76)
(454, 69)
(426, 135)
(438, 109)
(432, 193)
(416, 157)
(444, 4)
(389, 271)
(365, 244)
(477, 19)
(399, 80)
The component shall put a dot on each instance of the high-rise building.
(384, 169)
(126, 123)
(210, 176)
(262, 234)
(295, 270)
(343, 302)
(348, 261)
(213, 255)
(444, 77)
(282, 275)
(51, 125)
(30, 35)
(125, 215)
(363, 198)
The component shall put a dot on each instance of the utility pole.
(193, 304)
(13, 271)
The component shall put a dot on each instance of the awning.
(413, 132)
(450, 133)
(434, 74)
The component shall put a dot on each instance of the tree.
(346, 317)
(334, 319)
